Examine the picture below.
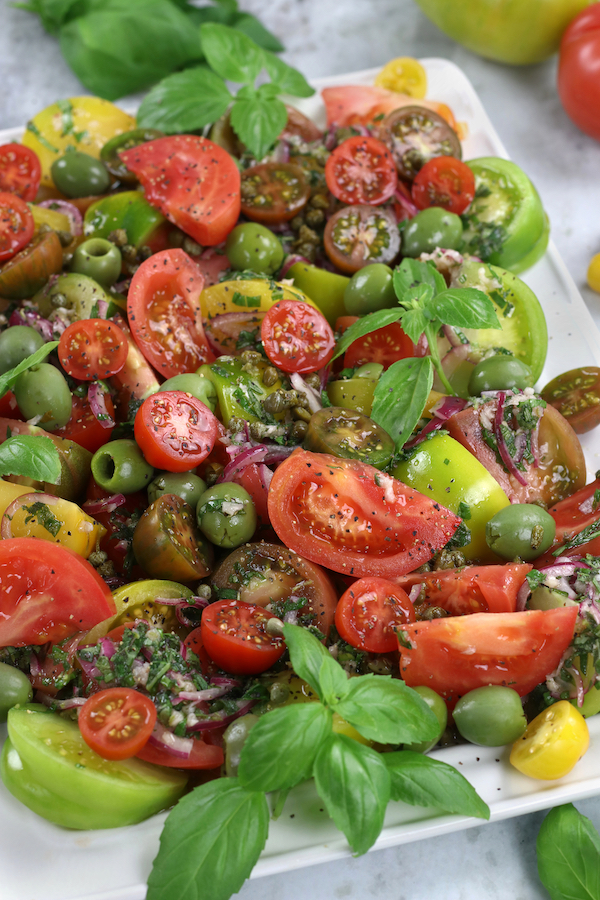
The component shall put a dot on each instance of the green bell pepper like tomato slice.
(444, 470)
(128, 210)
(239, 394)
(324, 288)
(48, 766)
(353, 393)
(506, 200)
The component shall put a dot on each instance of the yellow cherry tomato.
(552, 743)
(593, 273)
(57, 520)
(43, 216)
(404, 75)
(85, 123)
(141, 600)
(252, 296)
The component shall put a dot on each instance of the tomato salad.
(295, 390)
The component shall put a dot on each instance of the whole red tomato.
(579, 71)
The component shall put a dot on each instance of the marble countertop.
(490, 861)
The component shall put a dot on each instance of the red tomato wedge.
(47, 593)
(444, 181)
(354, 519)
(175, 431)
(369, 612)
(20, 171)
(235, 637)
(117, 722)
(163, 309)
(297, 337)
(193, 181)
(459, 653)
(361, 170)
(385, 346)
(472, 589)
(360, 104)
(16, 225)
(92, 349)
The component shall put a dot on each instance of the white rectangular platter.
(114, 865)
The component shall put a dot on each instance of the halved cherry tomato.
(273, 193)
(459, 653)
(20, 171)
(92, 349)
(385, 345)
(204, 755)
(297, 337)
(167, 543)
(353, 518)
(164, 313)
(576, 395)
(117, 722)
(552, 743)
(235, 637)
(416, 134)
(361, 170)
(47, 593)
(470, 589)
(83, 427)
(193, 181)
(444, 181)
(369, 612)
(16, 225)
(175, 431)
(358, 235)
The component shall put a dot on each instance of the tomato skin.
(385, 345)
(20, 171)
(164, 313)
(444, 181)
(297, 337)
(204, 755)
(361, 234)
(361, 170)
(193, 181)
(576, 395)
(117, 722)
(578, 86)
(369, 612)
(175, 431)
(572, 515)
(353, 518)
(83, 427)
(92, 349)
(16, 225)
(273, 193)
(459, 653)
(47, 593)
(471, 589)
(235, 637)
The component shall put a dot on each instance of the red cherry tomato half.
(235, 637)
(444, 181)
(470, 589)
(16, 225)
(193, 181)
(361, 170)
(175, 431)
(117, 722)
(385, 346)
(369, 612)
(578, 83)
(20, 171)
(297, 337)
(92, 349)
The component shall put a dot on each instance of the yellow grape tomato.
(552, 743)
(404, 75)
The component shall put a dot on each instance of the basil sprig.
(214, 836)
(568, 855)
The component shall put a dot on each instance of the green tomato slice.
(48, 766)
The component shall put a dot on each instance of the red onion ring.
(67, 209)
(290, 260)
(106, 505)
(98, 405)
(502, 448)
(164, 739)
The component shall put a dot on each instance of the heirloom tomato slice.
(470, 589)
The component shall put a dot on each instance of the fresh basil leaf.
(422, 781)
(210, 843)
(418, 296)
(411, 272)
(354, 784)
(201, 14)
(310, 660)
(230, 5)
(185, 101)
(280, 749)
(333, 681)
(400, 397)
(287, 79)
(255, 30)
(8, 379)
(231, 54)
(128, 45)
(54, 13)
(258, 122)
(31, 457)
(414, 322)
(465, 308)
(366, 325)
(568, 855)
(383, 709)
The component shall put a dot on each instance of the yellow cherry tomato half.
(552, 743)
(593, 273)
(404, 75)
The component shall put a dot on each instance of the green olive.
(120, 468)
(80, 294)
(520, 531)
(186, 485)
(435, 703)
(77, 174)
(43, 391)
(15, 688)
(199, 387)
(252, 246)
(226, 515)
(499, 373)
(99, 259)
(431, 228)
(490, 716)
(370, 289)
(16, 344)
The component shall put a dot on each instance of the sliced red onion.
(290, 260)
(34, 664)
(106, 505)
(67, 209)
(502, 448)
(242, 460)
(89, 668)
(429, 428)
(422, 346)
(221, 718)
(201, 696)
(231, 325)
(404, 201)
(17, 503)
(281, 153)
(226, 681)
(452, 337)
(102, 308)
(330, 137)
(107, 646)
(523, 596)
(447, 407)
(415, 593)
(266, 476)
(165, 739)
(300, 385)
(97, 401)
(121, 287)
(26, 316)
(71, 703)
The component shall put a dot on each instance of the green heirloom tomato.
(324, 288)
(499, 373)
(186, 485)
(434, 702)
(444, 470)
(128, 210)
(80, 294)
(16, 344)
(431, 228)
(120, 468)
(78, 174)
(252, 246)
(47, 765)
(226, 515)
(239, 393)
(370, 289)
(99, 259)
(201, 388)
(490, 716)
(518, 32)
(167, 543)
(15, 688)
(144, 600)
(353, 393)
(345, 433)
(521, 530)
(43, 391)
